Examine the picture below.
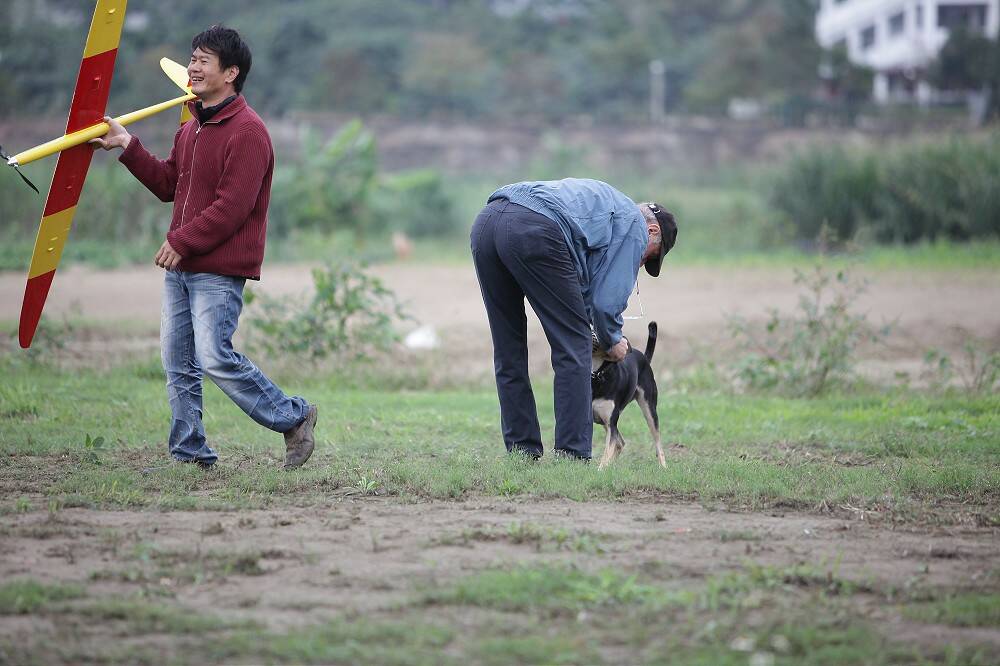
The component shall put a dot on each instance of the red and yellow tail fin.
(90, 99)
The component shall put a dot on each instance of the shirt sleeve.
(159, 176)
(248, 157)
(611, 286)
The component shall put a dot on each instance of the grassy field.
(146, 562)
(879, 449)
(857, 527)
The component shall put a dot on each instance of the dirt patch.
(928, 309)
(291, 567)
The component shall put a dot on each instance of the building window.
(868, 38)
(920, 16)
(970, 16)
(897, 24)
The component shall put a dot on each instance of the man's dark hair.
(227, 44)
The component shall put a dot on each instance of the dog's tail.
(651, 342)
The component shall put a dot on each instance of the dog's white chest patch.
(603, 409)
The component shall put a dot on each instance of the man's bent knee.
(216, 365)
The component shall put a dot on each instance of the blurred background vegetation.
(453, 57)
(336, 81)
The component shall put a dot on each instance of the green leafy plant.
(417, 203)
(22, 597)
(978, 369)
(367, 481)
(331, 188)
(924, 191)
(831, 189)
(804, 352)
(49, 342)
(351, 315)
(93, 447)
(18, 401)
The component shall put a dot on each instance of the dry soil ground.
(366, 555)
(927, 309)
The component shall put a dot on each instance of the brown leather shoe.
(299, 441)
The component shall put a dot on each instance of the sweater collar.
(206, 113)
(228, 110)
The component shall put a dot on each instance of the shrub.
(948, 190)
(350, 315)
(803, 353)
(50, 342)
(333, 188)
(830, 189)
(945, 190)
(330, 188)
(337, 187)
(416, 202)
(978, 369)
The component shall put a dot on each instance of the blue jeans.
(199, 316)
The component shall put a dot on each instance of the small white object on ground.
(422, 338)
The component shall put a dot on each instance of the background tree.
(969, 61)
(544, 60)
(765, 51)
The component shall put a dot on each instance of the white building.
(899, 38)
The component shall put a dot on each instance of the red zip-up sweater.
(219, 177)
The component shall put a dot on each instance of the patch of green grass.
(142, 616)
(18, 402)
(552, 538)
(414, 643)
(872, 449)
(754, 614)
(547, 589)
(726, 536)
(22, 597)
(739, 588)
(961, 610)
(537, 649)
(830, 643)
(801, 614)
(152, 565)
(104, 487)
(536, 536)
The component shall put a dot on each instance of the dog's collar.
(599, 373)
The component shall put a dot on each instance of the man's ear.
(234, 72)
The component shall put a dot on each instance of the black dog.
(615, 385)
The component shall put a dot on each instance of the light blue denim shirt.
(606, 235)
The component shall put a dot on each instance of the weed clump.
(351, 316)
(803, 353)
(977, 370)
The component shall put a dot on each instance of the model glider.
(86, 122)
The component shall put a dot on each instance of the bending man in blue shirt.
(573, 248)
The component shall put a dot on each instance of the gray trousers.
(521, 254)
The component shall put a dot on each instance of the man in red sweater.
(219, 177)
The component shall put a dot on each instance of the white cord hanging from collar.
(642, 312)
